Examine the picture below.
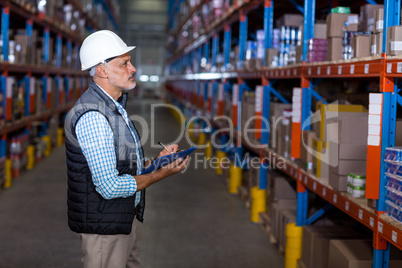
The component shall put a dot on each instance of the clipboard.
(167, 159)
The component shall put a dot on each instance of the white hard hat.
(100, 46)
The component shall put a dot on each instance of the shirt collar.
(107, 94)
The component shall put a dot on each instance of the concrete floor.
(190, 219)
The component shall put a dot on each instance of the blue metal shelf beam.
(308, 24)
(268, 25)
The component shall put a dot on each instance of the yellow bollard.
(293, 249)
(219, 155)
(235, 177)
(8, 182)
(258, 203)
(208, 150)
(30, 157)
(48, 149)
(60, 137)
(201, 139)
(190, 131)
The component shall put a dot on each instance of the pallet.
(244, 195)
(265, 222)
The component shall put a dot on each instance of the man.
(105, 158)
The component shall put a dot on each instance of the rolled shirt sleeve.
(95, 138)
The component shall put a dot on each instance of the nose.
(132, 68)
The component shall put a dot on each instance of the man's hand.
(143, 181)
(173, 168)
(172, 149)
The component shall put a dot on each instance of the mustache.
(131, 76)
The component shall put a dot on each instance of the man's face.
(121, 72)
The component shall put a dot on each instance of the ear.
(101, 71)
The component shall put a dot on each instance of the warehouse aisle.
(190, 219)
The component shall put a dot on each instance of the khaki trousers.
(110, 251)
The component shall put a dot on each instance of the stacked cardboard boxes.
(321, 159)
(347, 138)
(337, 23)
(247, 116)
(356, 253)
(316, 242)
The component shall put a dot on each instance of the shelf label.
(328, 70)
(339, 69)
(282, 73)
(399, 67)
(360, 214)
(235, 96)
(32, 85)
(395, 236)
(305, 180)
(9, 87)
(49, 85)
(347, 206)
(372, 222)
(380, 227)
(319, 71)
(276, 73)
(221, 91)
(324, 191)
(300, 177)
(294, 72)
(352, 69)
(314, 186)
(258, 99)
(296, 105)
(366, 68)
(288, 72)
(335, 198)
(309, 71)
(389, 67)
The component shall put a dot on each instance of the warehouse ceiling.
(143, 23)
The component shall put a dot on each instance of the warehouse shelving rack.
(22, 13)
(196, 89)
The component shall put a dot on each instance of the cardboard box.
(398, 133)
(373, 44)
(334, 51)
(306, 158)
(355, 254)
(316, 240)
(388, 43)
(334, 110)
(336, 23)
(276, 121)
(277, 207)
(283, 190)
(289, 20)
(299, 54)
(320, 30)
(346, 166)
(366, 22)
(338, 182)
(346, 151)
(379, 37)
(378, 20)
(361, 46)
(396, 40)
(271, 55)
(348, 128)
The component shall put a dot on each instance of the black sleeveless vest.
(88, 211)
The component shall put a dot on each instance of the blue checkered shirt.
(95, 138)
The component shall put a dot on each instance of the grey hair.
(92, 71)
